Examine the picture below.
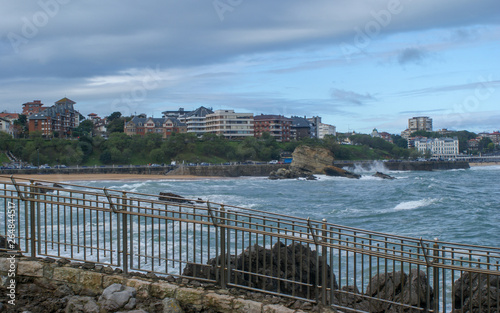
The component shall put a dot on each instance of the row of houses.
(229, 124)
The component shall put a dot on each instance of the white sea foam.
(411, 205)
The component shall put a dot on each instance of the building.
(384, 135)
(196, 121)
(58, 119)
(300, 128)
(278, 126)
(165, 126)
(10, 116)
(6, 126)
(33, 107)
(438, 147)
(326, 129)
(314, 123)
(420, 123)
(495, 137)
(175, 113)
(230, 124)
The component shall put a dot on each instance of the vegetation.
(119, 148)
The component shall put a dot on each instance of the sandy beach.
(90, 177)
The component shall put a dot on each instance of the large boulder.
(292, 263)
(475, 292)
(311, 159)
(287, 173)
(394, 287)
(337, 171)
(117, 297)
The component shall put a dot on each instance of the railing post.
(32, 219)
(223, 270)
(436, 275)
(324, 265)
(124, 234)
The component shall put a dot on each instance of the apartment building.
(59, 119)
(439, 147)
(230, 124)
(196, 121)
(420, 123)
(326, 129)
(36, 106)
(277, 125)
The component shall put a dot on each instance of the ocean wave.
(412, 205)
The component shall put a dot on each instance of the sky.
(359, 64)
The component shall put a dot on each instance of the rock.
(172, 197)
(337, 171)
(79, 304)
(311, 159)
(383, 176)
(295, 262)
(57, 186)
(116, 297)
(480, 292)
(171, 305)
(291, 173)
(5, 244)
(397, 287)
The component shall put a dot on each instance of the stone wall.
(59, 280)
(228, 170)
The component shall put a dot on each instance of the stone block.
(141, 286)
(91, 280)
(163, 290)
(109, 280)
(4, 264)
(218, 302)
(30, 268)
(246, 306)
(190, 296)
(276, 308)
(67, 274)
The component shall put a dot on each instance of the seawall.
(408, 165)
(228, 170)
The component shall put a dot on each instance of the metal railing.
(347, 268)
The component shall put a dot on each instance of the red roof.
(12, 116)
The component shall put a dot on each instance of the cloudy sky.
(359, 64)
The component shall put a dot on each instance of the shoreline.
(483, 163)
(105, 177)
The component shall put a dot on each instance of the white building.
(6, 125)
(326, 129)
(439, 147)
(196, 120)
(230, 124)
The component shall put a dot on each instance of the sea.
(460, 206)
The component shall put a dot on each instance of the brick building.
(59, 119)
(278, 126)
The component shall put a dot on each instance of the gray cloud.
(49, 51)
(412, 55)
(351, 97)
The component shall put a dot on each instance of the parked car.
(273, 162)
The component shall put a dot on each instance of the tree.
(400, 141)
(113, 116)
(483, 144)
(116, 125)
